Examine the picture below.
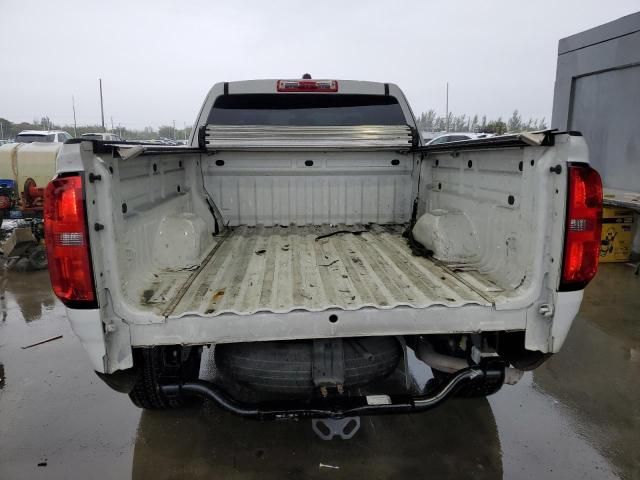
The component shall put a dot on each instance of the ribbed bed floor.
(279, 269)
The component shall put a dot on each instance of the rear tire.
(152, 364)
(38, 258)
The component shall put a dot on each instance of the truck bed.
(314, 268)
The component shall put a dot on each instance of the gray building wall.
(597, 92)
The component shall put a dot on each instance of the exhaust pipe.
(448, 364)
(438, 361)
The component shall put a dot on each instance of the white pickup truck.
(308, 237)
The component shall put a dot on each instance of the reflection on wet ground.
(214, 444)
(27, 292)
(596, 377)
(575, 417)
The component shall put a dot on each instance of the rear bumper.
(109, 346)
(343, 406)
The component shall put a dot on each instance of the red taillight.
(583, 227)
(307, 86)
(67, 240)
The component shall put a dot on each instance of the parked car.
(104, 136)
(168, 141)
(48, 136)
(309, 236)
(457, 137)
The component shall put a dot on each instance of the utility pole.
(75, 126)
(185, 131)
(174, 129)
(101, 105)
(447, 108)
(111, 124)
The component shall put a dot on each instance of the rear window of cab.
(301, 109)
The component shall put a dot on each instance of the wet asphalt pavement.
(577, 416)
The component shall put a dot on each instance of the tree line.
(430, 121)
(9, 130)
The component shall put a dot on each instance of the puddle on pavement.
(594, 378)
(30, 291)
(216, 444)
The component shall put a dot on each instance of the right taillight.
(67, 241)
(583, 227)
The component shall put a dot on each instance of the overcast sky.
(158, 58)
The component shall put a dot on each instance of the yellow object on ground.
(617, 234)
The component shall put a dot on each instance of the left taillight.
(583, 227)
(67, 241)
